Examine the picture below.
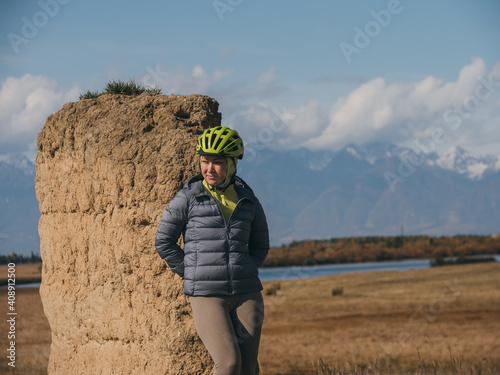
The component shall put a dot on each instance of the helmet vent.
(220, 141)
(216, 145)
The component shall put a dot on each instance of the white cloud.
(267, 85)
(396, 112)
(377, 110)
(234, 96)
(306, 121)
(262, 125)
(182, 81)
(25, 104)
(267, 77)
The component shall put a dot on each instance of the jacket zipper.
(227, 236)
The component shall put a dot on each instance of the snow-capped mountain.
(350, 195)
(374, 151)
(455, 159)
(473, 166)
(324, 194)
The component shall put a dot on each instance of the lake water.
(298, 272)
(30, 285)
(301, 272)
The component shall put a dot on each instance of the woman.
(225, 240)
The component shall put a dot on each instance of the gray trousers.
(230, 329)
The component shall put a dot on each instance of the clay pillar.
(106, 169)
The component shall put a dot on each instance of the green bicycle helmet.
(221, 141)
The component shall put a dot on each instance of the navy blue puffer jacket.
(218, 259)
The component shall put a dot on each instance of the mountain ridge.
(350, 195)
(323, 194)
(19, 213)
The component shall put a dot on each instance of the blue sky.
(418, 65)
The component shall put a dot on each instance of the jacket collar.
(195, 185)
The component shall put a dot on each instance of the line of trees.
(356, 249)
(15, 258)
(379, 248)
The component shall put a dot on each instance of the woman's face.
(214, 169)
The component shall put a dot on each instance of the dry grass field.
(23, 271)
(437, 321)
(32, 333)
(32, 328)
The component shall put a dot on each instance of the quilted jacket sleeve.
(258, 245)
(172, 225)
